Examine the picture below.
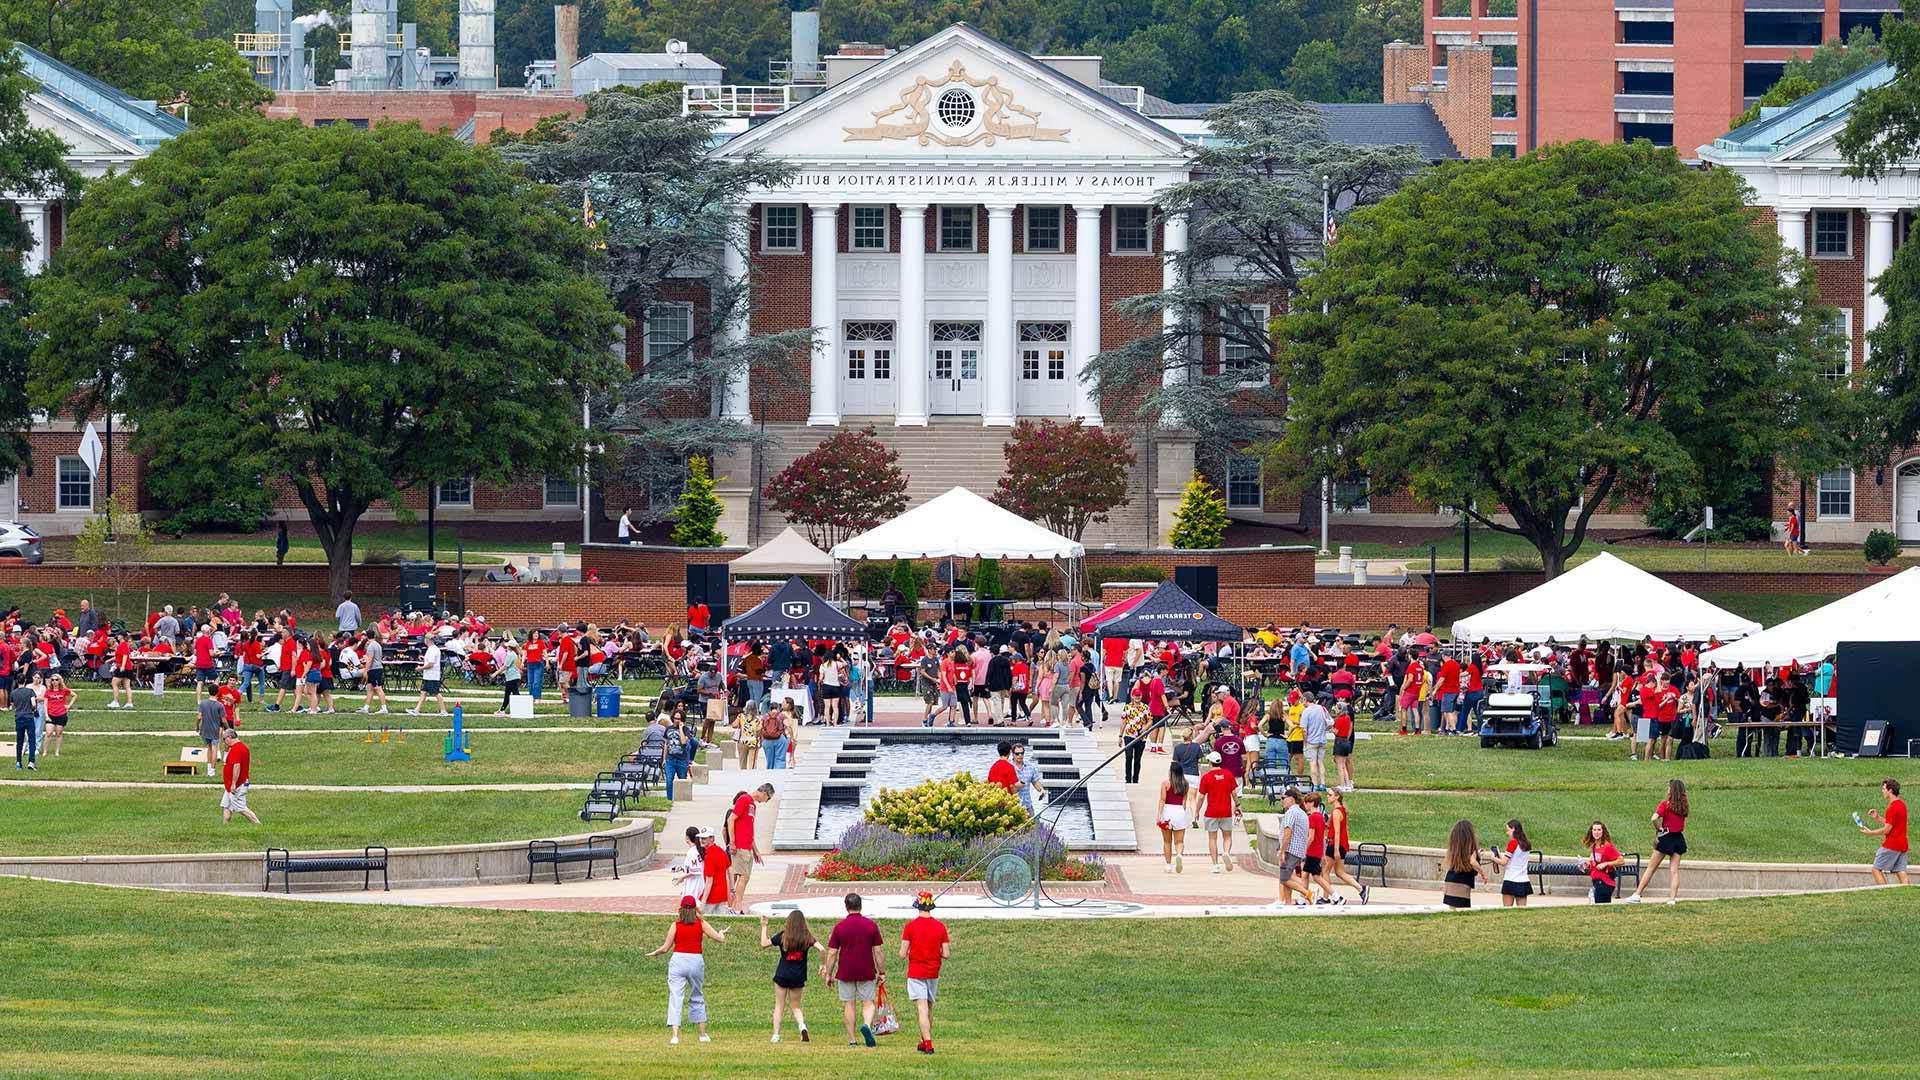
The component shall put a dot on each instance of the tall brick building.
(1670, 71)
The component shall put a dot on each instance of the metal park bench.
(286, 864)
(550, 851)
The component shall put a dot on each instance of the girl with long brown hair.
(1462, 866)
(794, 941)
(1669, 840)
(1603, 858)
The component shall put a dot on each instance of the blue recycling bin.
(606, 701)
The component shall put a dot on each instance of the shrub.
(877, 853)
(987, 585)
(698, 516)
(1100, 575)
(1032, 581)
(845, 486)
(1065, 476)
(1882, 547)
(870, 579)
(1200, 521)
(961, 807)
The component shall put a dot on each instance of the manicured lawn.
(37, 603)
(175, 712)
(1491, 548)
(79, 821)
(260, 987)
(1769, 609)
(409, 541)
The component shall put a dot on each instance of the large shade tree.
(1546, 335)
(666, 210)
(344, 313)
(31, 166)
(164, 50)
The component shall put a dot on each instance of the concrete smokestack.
(476, 45)
(566, 45)
(806, 46)
(369, 60)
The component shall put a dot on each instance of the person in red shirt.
(203, 666)
(237, 776)
(1603, 858)
(1315, 864)
(714, 865)
(1892, 856)
(228, 695)
(1669, 698)
(1219, 812)
(742, 850)
(120, 671)
(1002, 772)
(58, 699)
(1670, 840)
(289, 655)
(1343, 744)
(536, 662)
(924, 945)
(687, 970)
(1446, 687)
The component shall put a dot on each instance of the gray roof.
(144, 123)
(1370, 124)
(652, 60)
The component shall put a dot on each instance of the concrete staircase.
(952, 452)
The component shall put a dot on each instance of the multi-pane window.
(75, 483)
(561, 490)
(1836, 494)
(1043, 228)
(1132, 233)
(458, 492)
(956, 228)
(1832, 234)
(780, 228)
(1505, 150)
(1839, 340)
(1244, 325)
(869, 228)
(1243, 482)
(1353, 496)
(669, 327)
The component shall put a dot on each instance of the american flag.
(1333, 230)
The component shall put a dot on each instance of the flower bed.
(877, 853)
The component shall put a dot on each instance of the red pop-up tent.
(1092, 622)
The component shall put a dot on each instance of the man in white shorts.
(237, 777)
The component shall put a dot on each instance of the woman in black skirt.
(1462, 866)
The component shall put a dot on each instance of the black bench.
(286, 864)
(605, 799)
(1273, 782)
(1545, 867)
(550, 851)
(1369, 857)
(637, 775)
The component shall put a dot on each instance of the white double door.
(867, 364)
(953, 368)
(1907, 499)
(1044, 363)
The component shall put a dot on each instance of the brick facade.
(1463, 104)
(437, 110)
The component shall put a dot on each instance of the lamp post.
(1433, 572)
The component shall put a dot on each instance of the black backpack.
(1693, 751)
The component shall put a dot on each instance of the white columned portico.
(33, 212)
(733, 269)
(1879, 258)
(999, 329)
(910, 333)
(1086, 310)
(1793, 229)
(1174, 244)
(824, 407)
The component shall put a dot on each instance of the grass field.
(303, 989)
(79, 821)
(407, 541)
(175, 712)
(1491, 548)
(37, 603)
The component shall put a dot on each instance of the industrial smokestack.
(476, 45)
(566, 45)
(369, 60)
(806, 47)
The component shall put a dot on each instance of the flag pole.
(1326, 244)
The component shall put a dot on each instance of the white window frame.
(546, 493)
(1813, 239)
(1846, 331)
(669, 347)
(766, 229)
(1360, 506)
(1113, 238)
(1059, 229)
(854, 226)
(1259, 483)
(940, 229)
(59, 482)
(440, 493)
(1265, 314)
(1820, 492)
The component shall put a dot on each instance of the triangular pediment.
(961, 96)
(84, 140)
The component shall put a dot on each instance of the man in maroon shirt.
(856, 959)
(237, 776)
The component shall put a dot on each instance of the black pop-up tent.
(1169, 614)
(794, 612)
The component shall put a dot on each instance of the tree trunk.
(340, 561)
(1550, 557)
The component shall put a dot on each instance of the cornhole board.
(192, 760)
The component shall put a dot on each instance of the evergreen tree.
(903, 580)
(1200, 521)
(986, 587)
(699, 509)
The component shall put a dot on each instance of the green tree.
(1200, 521)
(155, 49)
(665, 210)
(987, 586)
(117, 545)
(31, 166)
(697, 516)
(1832, 61)
(1064, 476)
(343, 313)
(1314, 74)
(1547, 334)
(903, 579)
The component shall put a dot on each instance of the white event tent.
(1604, 598)
(962, 525)
(783, 556)
(1886, 611)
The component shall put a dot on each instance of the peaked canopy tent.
(1091, 623)
(794, 612)
(788, 553)
(1604, 598)
(1886, 611)
(962, 525)
(1169, 614)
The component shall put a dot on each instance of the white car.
(19, 541)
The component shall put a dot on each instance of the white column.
(1175, 243)
(1086, 310)
(824, 408)
(33, 212)
(1793, 229)
(733, 270)
(910, 333)
(1879, 257)
(999, 367)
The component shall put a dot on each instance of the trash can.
(580, 702)
(606, 701)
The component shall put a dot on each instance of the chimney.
(806, 46)
(369, 60)
(1404, 68)
(853, 58)
(566, 45)
(476, 45)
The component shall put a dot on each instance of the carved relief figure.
(996, 115)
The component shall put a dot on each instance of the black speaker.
(1874, 681)
(707, 583)
(1200, 582)
(418, 580)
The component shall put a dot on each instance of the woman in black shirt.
(793, 941)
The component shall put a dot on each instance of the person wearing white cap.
(1219, 794)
